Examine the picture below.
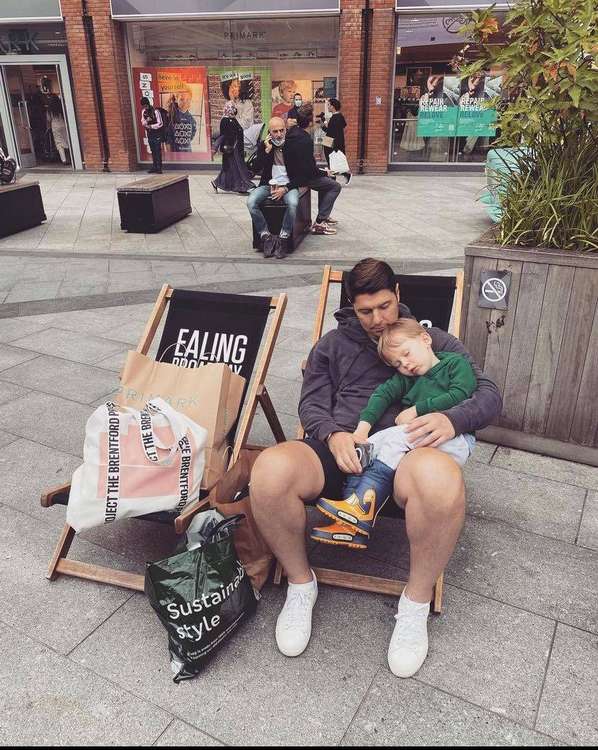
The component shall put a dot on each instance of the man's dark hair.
(368, 277)
(145, 101)
(305, 115)
(336, 104)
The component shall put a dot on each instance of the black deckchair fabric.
(204, 327)
(430, 298)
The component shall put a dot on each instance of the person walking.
(234, 175)
(335, 129)
(58, 127)
(151, 119)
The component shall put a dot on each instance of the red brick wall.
(381, 62)
(110, 46)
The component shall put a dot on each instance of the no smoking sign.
(494, 289)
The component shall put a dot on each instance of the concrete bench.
(21, 207)
(153, 203)
(274, 211)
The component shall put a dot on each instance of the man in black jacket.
(302, 170)
(270, 161)
(342, 370)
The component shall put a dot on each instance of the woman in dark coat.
(234, 175)
(335, 129)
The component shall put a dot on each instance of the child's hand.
(360, 437)
(406, 415)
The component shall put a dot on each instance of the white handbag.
(136, 462)
(339, 163)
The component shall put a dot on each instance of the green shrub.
(550, 107)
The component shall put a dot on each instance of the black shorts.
(334, 478)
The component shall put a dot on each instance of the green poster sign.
(476, 120)
(437, 121)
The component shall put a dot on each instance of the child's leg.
(390, 445)
(458, 448)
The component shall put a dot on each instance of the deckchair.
(204, 313)
(433, 300)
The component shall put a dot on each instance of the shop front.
(37, 116)
(259, 55)
(439, 118)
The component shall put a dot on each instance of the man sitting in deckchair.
(342, 370)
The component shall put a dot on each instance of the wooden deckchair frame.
(257, 393)
(346, 579)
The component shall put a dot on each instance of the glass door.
(20, 116)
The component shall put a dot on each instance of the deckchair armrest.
(56, 496)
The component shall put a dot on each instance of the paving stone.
(73, 380)
(114, 362)
(541, 575)
(413, 714)
(530, 503)
(181, 734)
(569, 706)
(316, 711)
(21, 489)
(46, 419)
(33, 290)
(10, 392)
(588, 532)
(6, 438)
(483, 452)
(58, 613)
(476, 647)
(12, 355)
(546, 466)
(59, 343)
(56, 703)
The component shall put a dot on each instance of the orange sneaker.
(340, 533)
(354, 511)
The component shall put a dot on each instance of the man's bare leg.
(429, 485)
(283, 479)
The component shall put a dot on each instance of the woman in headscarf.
(234, 175)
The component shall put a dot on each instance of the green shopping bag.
(201, 595)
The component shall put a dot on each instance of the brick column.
(381, 76)
(110, 46)
(350, 79)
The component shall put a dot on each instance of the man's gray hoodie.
(344, 368)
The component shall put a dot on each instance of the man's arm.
(317, 391)
(485, 403)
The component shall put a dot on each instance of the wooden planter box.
(542, 351)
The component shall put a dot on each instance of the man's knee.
(292, 198)
(434, 478)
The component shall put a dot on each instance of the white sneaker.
(408, 646)
(293, 627)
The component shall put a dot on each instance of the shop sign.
(30, 10)
(19, 42)
(156, 9)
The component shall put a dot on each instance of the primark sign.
(148, 10)
(29, 11)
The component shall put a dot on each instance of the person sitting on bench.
(270, 161)
(302, 169)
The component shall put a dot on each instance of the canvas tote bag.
(136, 462)
(209, 395)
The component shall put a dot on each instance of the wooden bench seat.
(153, 203)
(21, 207)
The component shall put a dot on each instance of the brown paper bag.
(209, 395)
(251, 548)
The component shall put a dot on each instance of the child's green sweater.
(449, 382)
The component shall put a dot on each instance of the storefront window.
(192, 69)
(439, 117)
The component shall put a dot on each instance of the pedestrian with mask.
(335, 129)
(151, 119)
(294, 110)
(274, 183)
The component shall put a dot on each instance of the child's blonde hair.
(406, 328)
